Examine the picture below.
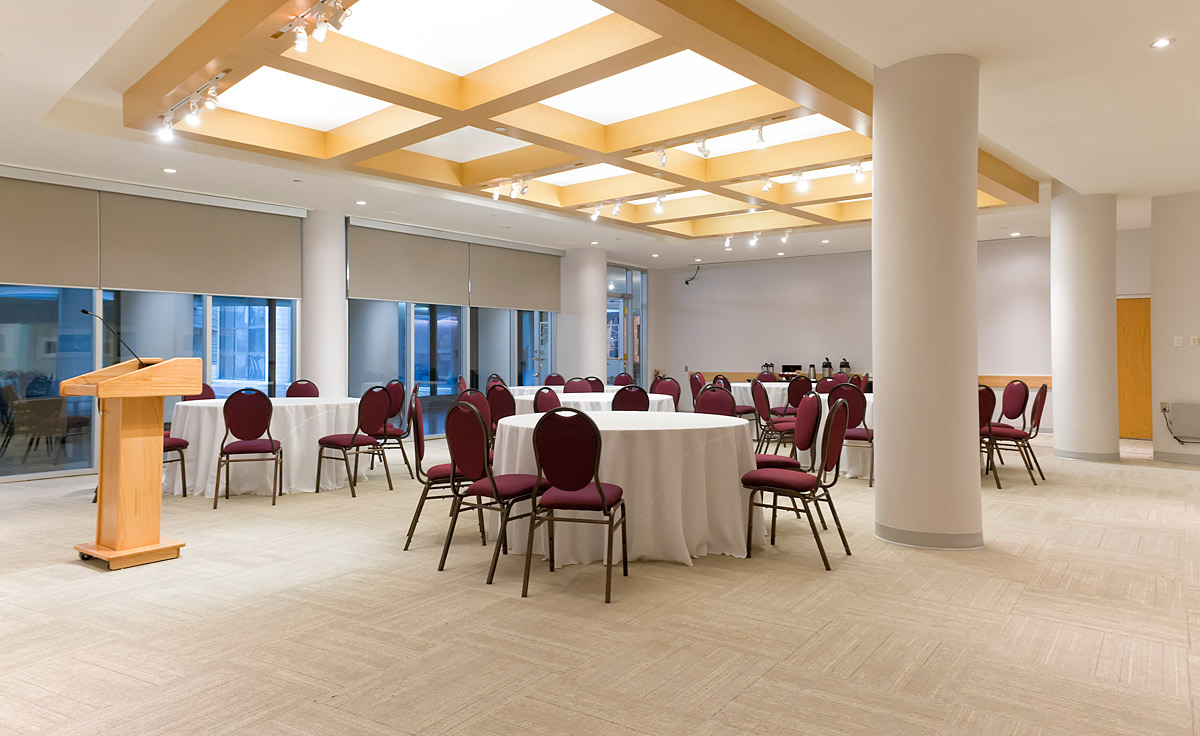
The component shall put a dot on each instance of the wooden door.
(1133, 368)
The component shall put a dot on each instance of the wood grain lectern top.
(129, 498)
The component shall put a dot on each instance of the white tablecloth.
(297, 423)
(519, 391)
(682, 479)
(776, 393)
(594, 402)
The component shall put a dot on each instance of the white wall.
(1133, 263)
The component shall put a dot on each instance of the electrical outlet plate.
(1195, 341)
(1164, 406)
(1178, 341)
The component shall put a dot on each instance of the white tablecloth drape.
(296, 422)
(519, 391)
(681, 475)
(594, 402)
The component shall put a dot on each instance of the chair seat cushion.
(251, 447)
(743, 409)
(781, 411)
(776, 461)
(1006, 433)
(347, 440)
(788, 480)
(391, 431)
(1002, 424)
(790, 411)
(174, 443)
(585, 499)
(440, 472)
(783, 425)
(509, 486)
(861, 434)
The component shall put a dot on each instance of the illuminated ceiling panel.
(466, 144)
(583, 174)
(275, 95)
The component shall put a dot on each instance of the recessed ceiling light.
(170, 171)
(654, 255)
(1162, 43)
(500, 129)
(1014, 235)
(823, 242)
(360, 202)
(779, 254)
(595, 242)
(697, 260)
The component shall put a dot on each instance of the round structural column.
(582, 322)
(323, 333)
(924, 260)
(1083, 324)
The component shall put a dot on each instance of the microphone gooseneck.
(141, 363)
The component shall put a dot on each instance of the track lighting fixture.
(859, 176)
(167, 131)
(524, 186)
(760, 141)
(321, 28)
(339, 16)
(702, 147)
(496, 190)
(658, 205)
(193, 114)
(616, 208)
(210, 98)
(754, 239)
(516, 189)
(766, 183)
(728, 242)
(596, 213)
(203, 98)
(662, 156)
(802, 182)
(300, 37)
(787, 234)
(325, 14)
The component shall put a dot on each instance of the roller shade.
(48, 234)
(162, 245)
(406, 268)
(513, 279)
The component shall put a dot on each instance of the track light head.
(802, 182)
(595, 213)
(524, 186)
(767, 183)
(859, 176)
(167, 131)
(616, 208)
(785, 237)
(193, 114)
(754, 240)
(516, 189)
(702, 147)
(760, 140)
(662, 156)
(321, 28)
(339, 16)
(496, 190)
(658, 205)
(210, 98)
(300, 37)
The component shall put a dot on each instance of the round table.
(519, 391)
(296, 422)
(777, 392)
(682, 478)
(594, 402)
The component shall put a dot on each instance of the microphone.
(141, 363)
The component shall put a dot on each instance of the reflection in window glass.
(377, 332)
(437, 360)
(252, 344)
(44, 339)
(492, 344)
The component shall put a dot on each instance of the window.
(626, 320)
(252, 344)
(43, 339)
(437, 360)
(378, 332)
(492, 344)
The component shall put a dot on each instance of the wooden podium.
(129, 497)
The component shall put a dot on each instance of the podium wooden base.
(166, 549)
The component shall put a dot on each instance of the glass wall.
(378, 333)
(437, 360)
(492, 345)
(252, 344)
(535, 347)
(156, 325)
(626, 320)
(43, 339)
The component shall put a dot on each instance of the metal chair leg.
(404, 454)
(450, 531)
(217, 488)
(836, 521)
(183, 472)
(505, 508)
(533, 522)
(624, 544)
(550, 537)
(320, 457)
(482, 526)
(774, 513)
(816, 535)
(274, 478)
(386, 470)
(1035, 460)
(608, 562)
(750, 523)
(871, 480)
(412, 527)
(349, 472)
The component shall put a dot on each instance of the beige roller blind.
(513, 279)
(48, 234)
(406, 268)
(161, 245)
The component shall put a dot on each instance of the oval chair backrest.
(668, 386)
(303, 389)
(500, 402)
(577, 386)
(206, 392)
(396, 396)
(373, 410)
(721, 381)
(835, 435)
(825, 385)
(495, 378)
(808, 420)
(554, 379)
(841, 377)
(1016, 396)
(1035, 414)
(247, 414)
(797, 388)
(860, 381)
(696, 383)
(716, 400)
(855, 400)
(468, 439)
(631, 398)
(762, 402)
(596, 384)
(987, 405)
(623, 379)
(416, 423)
(654, 382)
(479, 401)
(462, 384)
(765, 376)
(566, 447)
(545, 399)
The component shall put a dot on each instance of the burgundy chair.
(1011, 439)
(577, 386)
(987, 441)
(566, 447)
(655, 381)
(373, 409)
(766, 376)
(770, 427)
(1012, 404)
(696, 384)
(741, 410)
(631, 398)
(804, 437)
(716, 400)
(468, 438)
(247, 415)
(545, 399)
(623, 379)
(206, 392)
(668, 386)
(501, 403)
(437, 478)
(858, 434)
(462, 384)
(797, 387)
(395, 434)
(494, 379)
(596, 384)
(805, 487)
(841, 377)
(480, 401)
(825, 385)
(554, 379)
(302, 389)
(177, 445)
(860, 381)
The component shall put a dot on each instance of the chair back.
(808, 420)
(1014, 400)
(841, 377)
(206, 392)
(494, 379)
(501, 402)
(654, 382)
(716, 400)
(416, 425)
(545, 399)
(722, 381)
(766, 376)
(797, 388)
(566, 447)
(596, 384)
(577, 386)
(831, 444)
(554, 379)
(476, 398)
(987, 406)
(623, 379)
(247, 414)
(468, 438)
(696, 383)
(1035, 413)
(462, 384)
(302, 389)
(631, 398)
(396, 396)
(860, 381)
(668, 386)
(373, 409)
(825, 385)
(855, 400)
(762, 402)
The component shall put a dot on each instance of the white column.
(1083, 324)
(923, 294)
(323, 334)
(582, 339)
